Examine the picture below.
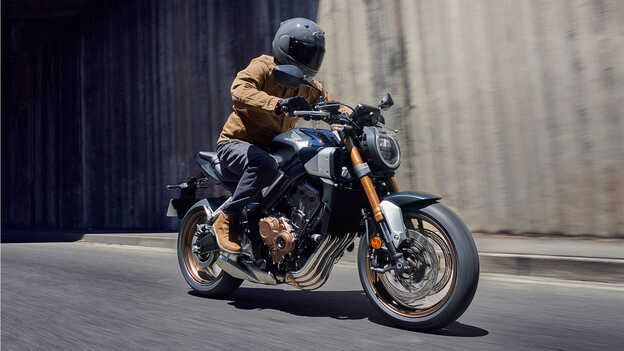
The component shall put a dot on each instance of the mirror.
(386, 102)
(289, 76)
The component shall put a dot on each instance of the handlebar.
(324, 116)
(320, 114)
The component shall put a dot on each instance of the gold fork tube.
(366, 181)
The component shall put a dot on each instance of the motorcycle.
(416, 259)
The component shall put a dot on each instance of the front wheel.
(443, 274)
(199, 268)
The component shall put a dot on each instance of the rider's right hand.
(295, 103)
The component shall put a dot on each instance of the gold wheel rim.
(200, 272)
(374, 279)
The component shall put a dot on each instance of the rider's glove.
(295, 103)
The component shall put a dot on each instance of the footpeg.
(247, 260)
(208, 242)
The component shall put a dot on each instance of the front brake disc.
(407, 290)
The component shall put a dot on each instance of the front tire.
(201, 271)
(459, 287)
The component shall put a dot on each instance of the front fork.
(396, 258)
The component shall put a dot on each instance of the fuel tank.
(304, 143)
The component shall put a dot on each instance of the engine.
(304, 201)
(287, 239)
(278, 235)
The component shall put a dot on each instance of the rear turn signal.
(375, 243)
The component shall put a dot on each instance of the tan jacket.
(255, 94)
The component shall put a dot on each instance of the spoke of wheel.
(420, 226)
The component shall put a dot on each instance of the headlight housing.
(382, 150)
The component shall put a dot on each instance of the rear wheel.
(443, 273)
(198, 267)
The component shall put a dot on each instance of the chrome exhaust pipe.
(228, 262)
(316, 270)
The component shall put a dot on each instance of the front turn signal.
(375, 243)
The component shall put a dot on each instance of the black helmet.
(300, 42)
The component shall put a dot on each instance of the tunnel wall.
(112, 109)
(41, 173)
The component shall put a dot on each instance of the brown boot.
(227, 236)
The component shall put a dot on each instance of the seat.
(210, 163)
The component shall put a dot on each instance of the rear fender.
(188, 197)
(182, 207)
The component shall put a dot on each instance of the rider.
(261, 108)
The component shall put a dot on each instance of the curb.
(607, 270)
(168, 242)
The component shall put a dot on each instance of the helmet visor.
(307, 54)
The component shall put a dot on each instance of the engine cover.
(277, 234)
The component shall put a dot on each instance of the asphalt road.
(78, 296)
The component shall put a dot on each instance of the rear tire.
(461, 288)
(204, 277)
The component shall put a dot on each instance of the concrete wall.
(512, 110)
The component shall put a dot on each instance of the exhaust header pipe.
(315, 271)
(228, 262)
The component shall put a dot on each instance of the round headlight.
(388, 151)
(382, 149)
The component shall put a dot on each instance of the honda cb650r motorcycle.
(416, 259)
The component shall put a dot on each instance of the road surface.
(79, 296)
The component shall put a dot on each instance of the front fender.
(392, 207)
(412, 199)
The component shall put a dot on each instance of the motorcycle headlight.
(382, 149)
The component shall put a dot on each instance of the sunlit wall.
(512, 110)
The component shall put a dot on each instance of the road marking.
(548, 257)
(521, 279)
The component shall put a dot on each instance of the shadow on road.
(460, 330)
(333, 304)
(347, 305)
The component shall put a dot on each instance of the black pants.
(255, 166)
